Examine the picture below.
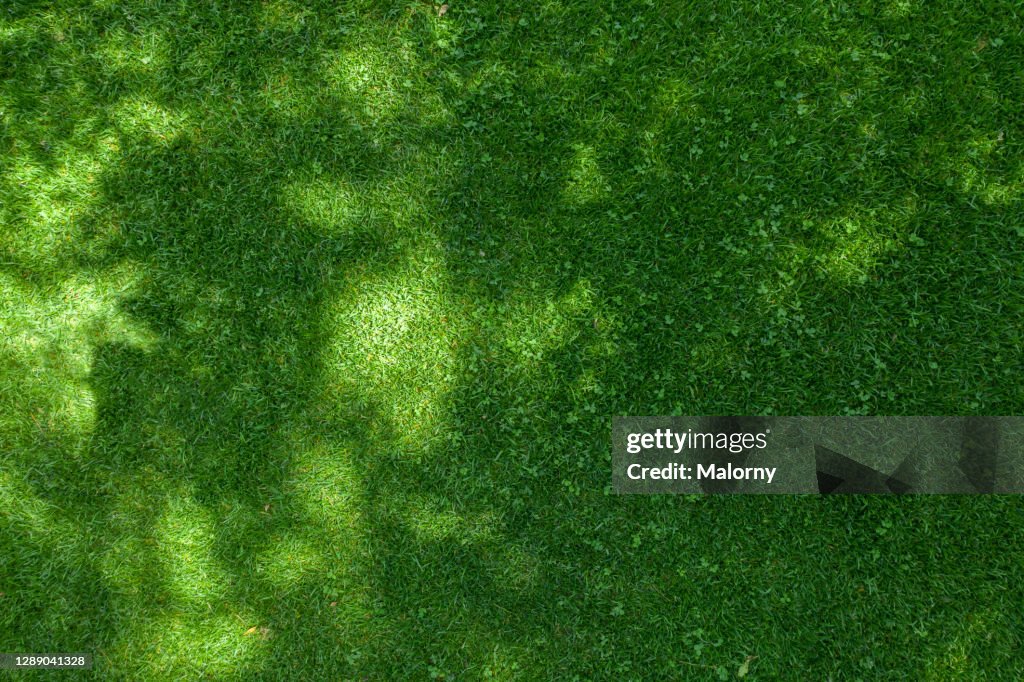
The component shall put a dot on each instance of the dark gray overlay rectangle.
(830, 455)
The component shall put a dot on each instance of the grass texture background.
(313, 317)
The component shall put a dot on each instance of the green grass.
(313, 318)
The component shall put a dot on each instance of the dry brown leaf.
(442, 10)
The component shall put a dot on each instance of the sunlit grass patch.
(860, 244)
(290, 561)
(45, 205)
(586, 183)
(37, 522)
(533, 327)
(133, 54)
(384, 76)
(283, 15)
(185, 535)
(174, 643)
(968, 170)
(960, 656)
(430, 521)
(334, 206)
(48, 349)
(140, 119)
(395, 340)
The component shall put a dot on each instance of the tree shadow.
(603, 260)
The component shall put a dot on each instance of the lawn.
(314, 316)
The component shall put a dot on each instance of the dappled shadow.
(362, 288)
